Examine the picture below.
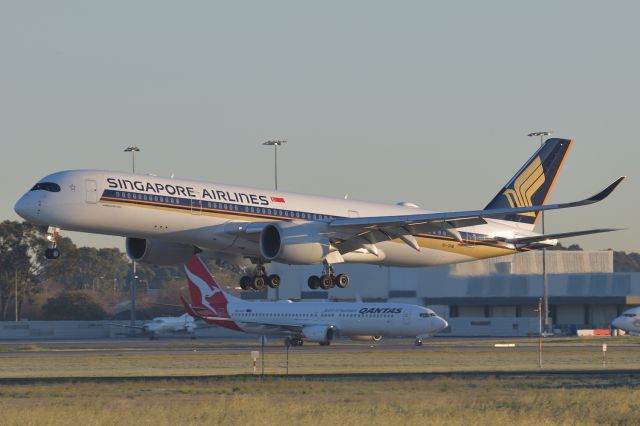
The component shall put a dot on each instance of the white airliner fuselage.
(165, 220)
(132, 207)
(629, 321)
(305, 321)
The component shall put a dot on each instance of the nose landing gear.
(52, 252)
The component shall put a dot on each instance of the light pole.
(275, 145)
(545, 284)
(133, 150)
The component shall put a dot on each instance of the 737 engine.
(318, 333)
(159, 252)
(295, 244)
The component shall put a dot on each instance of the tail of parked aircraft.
(205, 293)
(532, 184)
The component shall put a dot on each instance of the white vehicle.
(163, 325)
(629, 321)
(166, 221)
(319, 322)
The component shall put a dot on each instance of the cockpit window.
(46, 186)
(427, 314)
(629, 315)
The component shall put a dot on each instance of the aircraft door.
(406, 318)
(91, 191)
(196, 206)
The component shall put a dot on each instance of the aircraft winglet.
(607, 191)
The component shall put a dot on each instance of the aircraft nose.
(617, 323)
(22, 207)
(443, 323)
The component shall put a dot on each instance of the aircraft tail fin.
(531, 185)
(204, 290)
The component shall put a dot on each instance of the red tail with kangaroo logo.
(206, 294)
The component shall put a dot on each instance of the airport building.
(497, 296)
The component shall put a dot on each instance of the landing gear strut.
(328, 280)
(293, 341)
(260, 279)
(52, 252)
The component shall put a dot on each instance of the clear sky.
(428, 102)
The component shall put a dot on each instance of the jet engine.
(366, 338)
(318, 333)
(294, 243)
(158, 252)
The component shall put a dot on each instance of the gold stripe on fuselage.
(475, 249)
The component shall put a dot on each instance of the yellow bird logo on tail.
(525, 186)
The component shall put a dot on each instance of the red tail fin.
(205, 292)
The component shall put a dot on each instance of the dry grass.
(203, 362)
(346, 402)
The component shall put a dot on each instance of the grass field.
(339, 399)
(197, 359)
(251, 401)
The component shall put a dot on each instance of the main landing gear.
(293, 341)
(52, 252)
(259, 280)
(328, 280)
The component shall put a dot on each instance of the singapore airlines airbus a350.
(166, 221)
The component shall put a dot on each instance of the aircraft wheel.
(418, 342)
(326, 282)
(245, 282)
(257, 283)
(325, 343)
(313, 282)
(342, 280)
(52, 253)
(273, 281)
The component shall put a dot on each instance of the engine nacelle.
(366, 338)
(158, 252)
(318, 333)
(295, 243)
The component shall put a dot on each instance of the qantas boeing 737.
(318, 322)
(166, 221)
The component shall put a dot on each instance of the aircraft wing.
(458, 218)
(363, 232)
(126, 326)
(350, 234)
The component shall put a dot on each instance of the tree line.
(87, 274)
(85, 282)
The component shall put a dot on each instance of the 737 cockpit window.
(630, 315)
(427, 314)
(46, 186)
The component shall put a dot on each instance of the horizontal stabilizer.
(545, 237)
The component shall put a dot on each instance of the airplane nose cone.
(443, 324)
(617, 323)
(21, 208)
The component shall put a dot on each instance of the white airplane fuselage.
(346, 318)
(629, 321)
(206, 215)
